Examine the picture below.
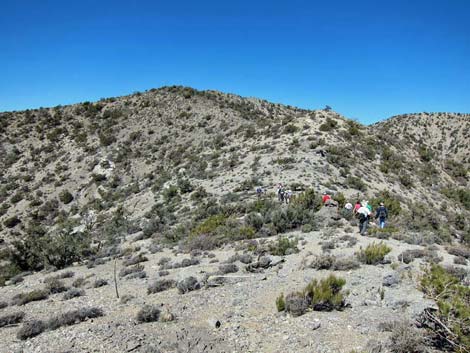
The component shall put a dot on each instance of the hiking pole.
(115, 279)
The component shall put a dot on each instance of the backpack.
(382, 212)
(362, 217)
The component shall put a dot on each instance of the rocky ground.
(232, 312)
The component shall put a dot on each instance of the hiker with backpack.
(382, 215)
(280, 193)
(363, 215)
(325, 198)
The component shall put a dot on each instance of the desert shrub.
(323, 295)
(10, 319)
(59, 250)
(356, 183)
(161, 285)
(243, 258)
(323, 262)
(405, 338)
(73, 293)
(72, 317)
(228, 268)
(79, 282)
(284, 246)
(66, 197)
(307, 228)
(254, 220)
(31, 329)
(449, 325)
(55, 286)
(345, 264)
(328, 125)
(296, 303)
(3, 304)
(135, 260)
(170, 193)
(27, 297)
(351, 240)
(154, 247)
(128, 270)
(326, 294)
(460, 195)
(326, 246)
(163, 261)
(290, 129)
(390, 200)
(186, 263)
(184, 186)
(188, 284)
(409, 255)
(11, 222)
(281, 303)
(66, 274)
(459, 260)
(373, 254)
(461, 251)
(209, 225)
(138, 274)
(199, 194)
(149, 313)
(100, 283)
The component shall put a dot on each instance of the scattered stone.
(390, 280)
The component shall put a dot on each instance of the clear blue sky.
(367, 59)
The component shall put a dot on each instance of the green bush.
(328, 125)
(290, 129)
(356, 183)
(373, 254)
(323, 295)
(254, 220)
(66, 197)
(326, 294)
(185, 186)
(390, 201)
(284, 246)
(170, 193)
(280, 303)
(450, 324)
(11, 222)
(460, 195)
(59, 250)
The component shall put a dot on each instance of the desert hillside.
(155, 193)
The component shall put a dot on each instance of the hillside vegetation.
(175, 168)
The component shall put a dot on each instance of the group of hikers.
(362, 210)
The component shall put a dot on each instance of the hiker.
(259, 191)
(363, 214)
(288, 196)
(369, 206)
(325, 197)
(348, 206)
(280, 193)
(357, 206)
(382, 215)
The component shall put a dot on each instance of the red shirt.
(326, 198)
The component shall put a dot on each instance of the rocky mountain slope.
(171, 173)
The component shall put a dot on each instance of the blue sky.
(369, 60)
